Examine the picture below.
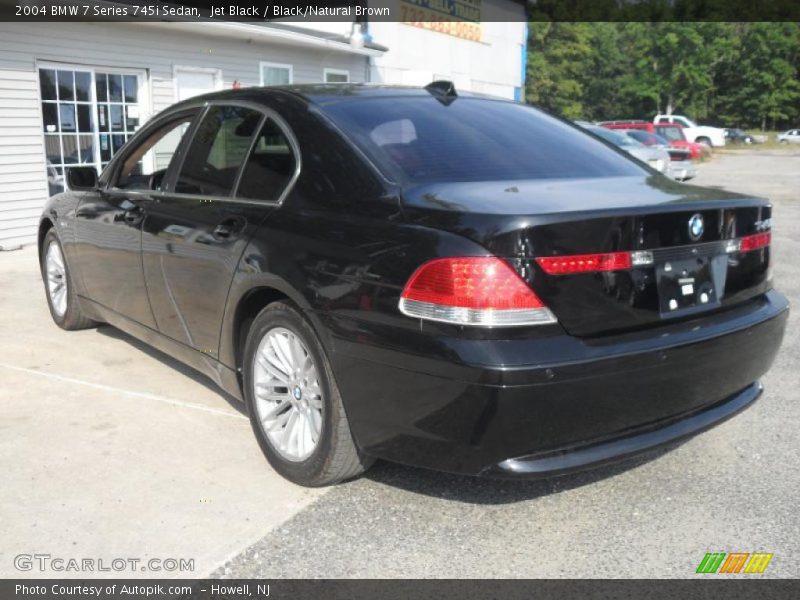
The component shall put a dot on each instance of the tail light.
(585, 263)
(483, 291)
(752, 242)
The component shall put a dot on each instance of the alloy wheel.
(56, 278)
(287, 393)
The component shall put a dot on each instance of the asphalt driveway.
(110, 449)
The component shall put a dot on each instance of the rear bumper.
(538, 407)
(682, 169)
(635, 442)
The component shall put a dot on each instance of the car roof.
(329, 93)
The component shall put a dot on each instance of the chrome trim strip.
(456, 315)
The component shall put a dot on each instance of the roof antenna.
(444, 91)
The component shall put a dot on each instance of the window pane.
(102, 87)
(50, 116)
(131, 89)
(131, 117)
(269, 167)
(117, 141)
(67, 112)
(52, 148)
(85, 118)
(115, 88)
(65, 86)
(55, 179)
(47, 83)
(336, 77)
(157, 149)
(83, 83)
(217, 151)
(102, 117)
(116, 117)
(421, 140)
(105, 148)
(70, 144)
(86, 144)
(275, 75)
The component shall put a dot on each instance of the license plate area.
(686, 286)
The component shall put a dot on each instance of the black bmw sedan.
(421, 275)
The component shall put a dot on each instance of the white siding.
(493, 66)
(155, 49)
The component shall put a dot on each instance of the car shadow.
(178, 366)
(491, 491)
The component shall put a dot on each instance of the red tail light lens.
(585, 263)
(483, 291)
(755, 242)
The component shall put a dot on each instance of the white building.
(72, 93)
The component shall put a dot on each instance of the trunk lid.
(523, 220)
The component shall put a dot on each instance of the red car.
(672, 132)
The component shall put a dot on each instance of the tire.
(704, 140)
(59, 288)
(280, 351)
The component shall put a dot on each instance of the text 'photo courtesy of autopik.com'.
(469, 299)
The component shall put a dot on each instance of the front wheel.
(59, 287)
(293, 401)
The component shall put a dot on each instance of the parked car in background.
(702, 134)
(681, 166)
(792, 136)
(735, 135)
(656, 158)
(672, 132)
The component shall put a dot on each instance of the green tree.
(760, 84)
(558, 56)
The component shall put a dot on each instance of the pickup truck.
(702, 134)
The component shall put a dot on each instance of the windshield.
(618, 139)
(647, 138)
(673, 134)
(420, 139)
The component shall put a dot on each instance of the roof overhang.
(276, 34)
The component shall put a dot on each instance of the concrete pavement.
(110, 449)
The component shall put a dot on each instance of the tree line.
(728, 74)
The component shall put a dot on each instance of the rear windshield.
(419, 139)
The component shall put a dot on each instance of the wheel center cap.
(297, 393)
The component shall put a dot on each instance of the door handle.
(228, 228)
(133, 214)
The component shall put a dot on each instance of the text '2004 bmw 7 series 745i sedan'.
(421, 275)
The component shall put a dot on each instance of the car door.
(108, 221)
(194, 236)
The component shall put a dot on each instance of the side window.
(269, 167)
(663, 120)
(681, 122)
(144, 167)
(217, 151)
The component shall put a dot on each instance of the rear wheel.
(59, 288)
(293, 401)
(704, 140)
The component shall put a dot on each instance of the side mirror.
(81, 179)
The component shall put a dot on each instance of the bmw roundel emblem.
(696, 226)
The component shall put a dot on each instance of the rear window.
(421, 140)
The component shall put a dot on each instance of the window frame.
(144, 102)
(330, 71)
(176, 164)
(112, 173)
(274, 65)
